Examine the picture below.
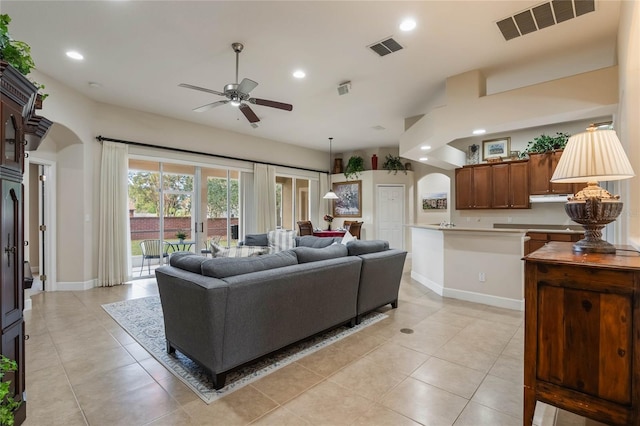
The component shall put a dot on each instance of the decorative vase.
(329, 226)
(374, 162)
(337, 166)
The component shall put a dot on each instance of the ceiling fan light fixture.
(235, 101)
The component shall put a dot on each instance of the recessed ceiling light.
(299, 74)
(479, 131)
(408, 24)
(423, 158)
(425, 147)
(95, 84)
(75, 55)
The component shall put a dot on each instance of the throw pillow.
(347, 238)
(281, 239)
(243, 251)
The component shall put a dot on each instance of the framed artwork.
(435, 201)
(349, 202)
(495, 148)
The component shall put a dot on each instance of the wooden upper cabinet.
(510, 185)
(464, 188)
(541, 168)
(473, 187)
(482, 187)
(493, 186)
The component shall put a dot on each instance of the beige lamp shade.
(594, 155)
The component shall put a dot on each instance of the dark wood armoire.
(19, 127)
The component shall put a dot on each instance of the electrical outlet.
(481, 277)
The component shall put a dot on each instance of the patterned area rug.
(142, 319)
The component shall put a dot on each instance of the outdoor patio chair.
(153, 249)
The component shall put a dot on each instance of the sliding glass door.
(179, 207)
(292, 201)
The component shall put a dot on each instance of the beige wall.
(629, 116)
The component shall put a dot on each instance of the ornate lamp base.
(593, 208)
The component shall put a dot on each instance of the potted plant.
(354, 167)
(393, 163)
(7, 404)
(17, 53)
(545, 143)
(181, 235)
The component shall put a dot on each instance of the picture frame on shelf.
(349, 202)
(495, 148)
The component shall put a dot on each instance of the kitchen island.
(481, 265)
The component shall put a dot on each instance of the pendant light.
(330, 195)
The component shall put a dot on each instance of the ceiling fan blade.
(248, 112)
(246, 85)
(202, 89)
(207, 107)
(272, 104)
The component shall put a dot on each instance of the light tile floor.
(462, 365)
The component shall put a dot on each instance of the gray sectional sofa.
(226, 312)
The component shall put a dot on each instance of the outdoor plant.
(545, 143)
(16, 53)
(393, 163)
(354, 167)
(7, 405)
(181, 235)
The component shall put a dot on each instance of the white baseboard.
(76, 286)
(431, 285)
(469, 296)
(485, 299)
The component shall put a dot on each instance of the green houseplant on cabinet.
(7, 405)
(16, 53)
(393, 163)
(354, 167)
(545, 143)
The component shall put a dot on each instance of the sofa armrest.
(380, 279)
(194, 308)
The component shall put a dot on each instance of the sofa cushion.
(366, 246)
(309, 254)
(188, 261)
(256, 240)
(221, 267)
(316, 242)
(281, 239)
(243, 251)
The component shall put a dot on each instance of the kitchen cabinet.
(541, 168)
(582, 333)
(473, 187)
(510, 185)
(539, 239)
(501, 185)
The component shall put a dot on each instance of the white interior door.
(390, 212)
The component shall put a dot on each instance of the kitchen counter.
(482, 265)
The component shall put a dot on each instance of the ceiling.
(139, 51)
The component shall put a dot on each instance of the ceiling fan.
(238, 94)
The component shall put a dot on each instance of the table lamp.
(592, 156)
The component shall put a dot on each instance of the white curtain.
(114, 249)
(264, 190)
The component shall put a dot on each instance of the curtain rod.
(101, 138)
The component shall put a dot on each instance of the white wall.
(629, 117)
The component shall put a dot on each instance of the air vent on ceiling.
(542, 16)
(385, 47)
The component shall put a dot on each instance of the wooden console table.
(582, 333)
